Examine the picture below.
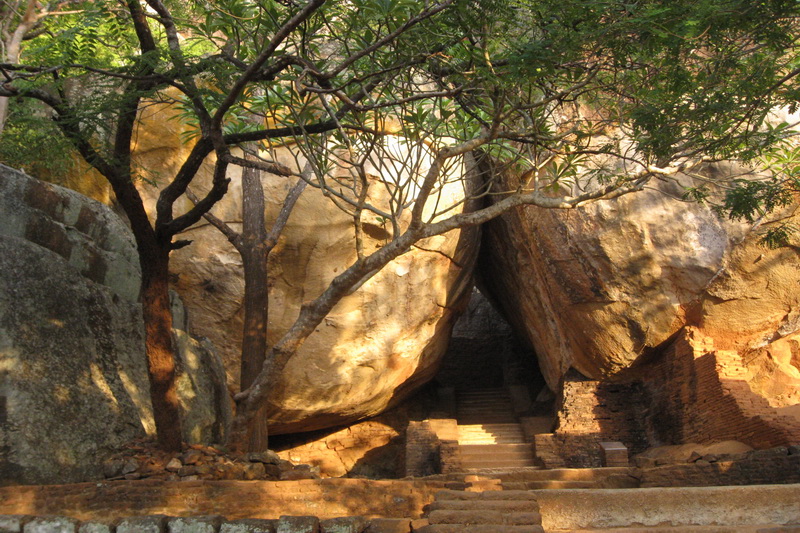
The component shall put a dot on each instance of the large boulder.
(600, 287)
(73, 376)
(380, 342)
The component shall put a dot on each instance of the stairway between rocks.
(489, 435)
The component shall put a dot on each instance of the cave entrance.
(485, 354)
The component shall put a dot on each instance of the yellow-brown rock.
(377, 345)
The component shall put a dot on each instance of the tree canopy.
(582, 100)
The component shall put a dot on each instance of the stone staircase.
(494, 511)
(489, 435)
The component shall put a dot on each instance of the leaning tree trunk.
(159, 345)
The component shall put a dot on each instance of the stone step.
(526, 506)
(505, 495)
(492, 511)
(554, 484)
(483, 528)
(488, 440)
(478, 392)
(565, 474)
(502, 426)
(490, 434)
(497, 400)
(470, 421)
(485, 412)
(480, 515)
(494, 464)
(494, 450)
(494, 427)
(688, 529)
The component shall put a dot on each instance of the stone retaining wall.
(326, 498)
(205, 524)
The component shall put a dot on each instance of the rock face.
(597, 287)
(378, 344)
(73, 378)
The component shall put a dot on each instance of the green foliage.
(31, 142)
(631, 84)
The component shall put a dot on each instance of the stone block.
(143, 524)
(249, 525)
(95, 527)
(198, 524)
(614, 453)
(389, 525)
(298, 524)
(12, 523)
(346, 524)
(51, 524)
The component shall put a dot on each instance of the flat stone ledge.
(679, 507)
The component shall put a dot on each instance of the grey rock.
(298, 524)
(255, 471)
(73, 375)
(130, 466)
(191, 457)
(12, 523)
(51, 524)
(346, 524)
(113, 467)
(267, 457)
(249, 525)
(143, 524)
(95, 527)
(174, 465)
(199, 524)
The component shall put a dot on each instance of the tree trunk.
(158, 344)
(254, 252)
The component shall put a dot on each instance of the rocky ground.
(142, 459)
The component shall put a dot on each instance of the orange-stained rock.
(597, 287)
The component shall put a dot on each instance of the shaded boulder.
(73, 376)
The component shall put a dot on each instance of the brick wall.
(326, 498)
(590, 412)
(701, 395)
(760, 467)
(423, 452)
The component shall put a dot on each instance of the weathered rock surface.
(73, 378)
(377, 345)
(596, 287)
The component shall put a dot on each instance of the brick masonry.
(591, 412)
(760, 467)
(698, 394)
(691, 393)
(431, 447)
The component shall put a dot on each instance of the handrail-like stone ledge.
(750, 505)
